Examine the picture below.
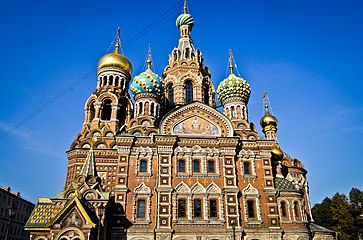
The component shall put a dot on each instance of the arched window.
(196, 166)
(297, 211)
(170, 95)
(283, 209)
(143, 166)
(106, 109)
(116, 81)
(91, 111)
(181, 166)
(211, 167)
(104, 81)
(188, 91)
(141, 105)
(213, 213)
(111, 80)
(152, 106)
(206, 94)
(182, 208)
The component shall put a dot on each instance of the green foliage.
(341, 214)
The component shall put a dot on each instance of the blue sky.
(306, 54)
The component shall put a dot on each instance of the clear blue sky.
(306, 54)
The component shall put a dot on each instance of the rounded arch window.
(170, 92)
(206, 94)
(188, 91)
(106, 109)
(283, 209)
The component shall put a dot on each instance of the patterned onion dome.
(147, 82)
(115, 59)
(233, 86)
(184, 19)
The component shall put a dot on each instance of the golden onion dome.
(268, 120)
(115, 59)
(276, 153)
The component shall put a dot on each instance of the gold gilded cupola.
(268, 121)
(186, 78)
(109, 108)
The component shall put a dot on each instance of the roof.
(317, 228)
(284, 184)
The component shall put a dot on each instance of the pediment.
(196, 119)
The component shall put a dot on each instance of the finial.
(93, 140)
(230, 58)
(185, 7)
(265, 100)
(117, 46)
(149, 61)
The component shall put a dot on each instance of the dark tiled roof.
(284, 184)
(317, 228)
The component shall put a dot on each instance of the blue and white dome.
(184, 19)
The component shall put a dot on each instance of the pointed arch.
(213, 188)
(197, 188)
(142, 189)
(182, 188)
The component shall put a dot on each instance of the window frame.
(195, 210)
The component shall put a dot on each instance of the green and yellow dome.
(234, 86)
(147, 82)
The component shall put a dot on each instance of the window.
(143, 166)
(211, 168)
(197, 208)
(247, 168)
(141, 208)
(106, 109)
(206, 94)
(170, 95)
(296, 211)
(196, 166)
(213, 208)
(188, 92)
(181, 166)
(283, 209)
(251, 208)
(181, 208)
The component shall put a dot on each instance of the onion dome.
(233, 86)
(276, 153)
(184, 18)
(115, 59)
(147, 82)
(268, 120)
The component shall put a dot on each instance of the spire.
(185, 7)
(149, 59)
(230, 59)
(118, 42)
(89, 166)
(265, 100)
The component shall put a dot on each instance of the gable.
(196, 119)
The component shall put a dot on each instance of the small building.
(22, 213)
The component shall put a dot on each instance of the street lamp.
(101, 212)
(11, 212)
(233, 224)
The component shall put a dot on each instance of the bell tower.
(186, 78)
(110, 104)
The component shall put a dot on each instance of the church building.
(155, 159)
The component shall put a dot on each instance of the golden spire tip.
(117, 46)
(265, 100)
(230, 58)
(149, 61)
(185, 7)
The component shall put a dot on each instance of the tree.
(341, 215)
